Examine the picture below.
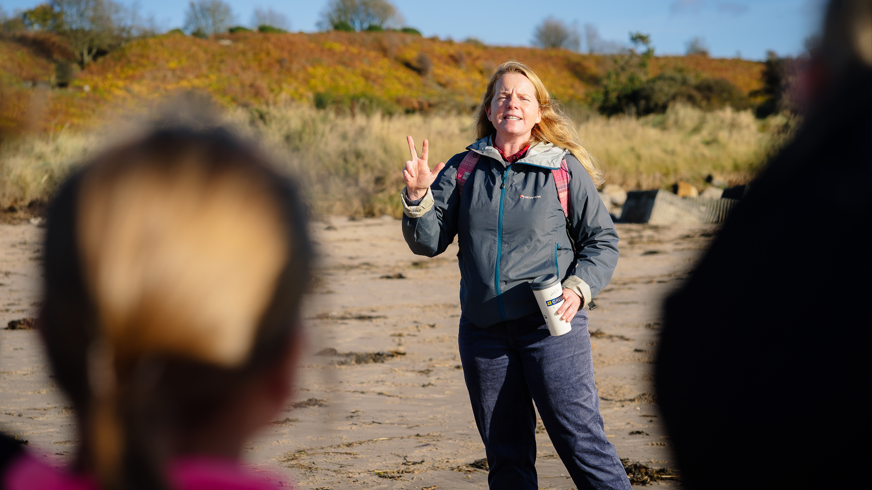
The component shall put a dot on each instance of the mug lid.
(544, 282)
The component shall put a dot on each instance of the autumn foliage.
(380, 72)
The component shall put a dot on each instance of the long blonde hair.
(555, 128)
(174, 270)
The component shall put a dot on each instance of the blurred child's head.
(174, 270)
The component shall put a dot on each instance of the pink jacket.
(196, 473)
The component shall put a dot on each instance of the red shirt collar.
(513, 158)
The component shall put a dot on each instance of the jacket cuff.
(579, 287)
(421, 209)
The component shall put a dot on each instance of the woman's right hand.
(417, 173)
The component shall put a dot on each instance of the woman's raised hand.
(417, 173)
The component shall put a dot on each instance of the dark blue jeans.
(512, 364)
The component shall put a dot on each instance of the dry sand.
(404, 423)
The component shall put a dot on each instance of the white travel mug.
(549, 295)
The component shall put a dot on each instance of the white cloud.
(732, 8)
(687, 6)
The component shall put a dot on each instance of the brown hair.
(174, 270)
(555, 127)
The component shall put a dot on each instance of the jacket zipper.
(500, 245)
(556, 267)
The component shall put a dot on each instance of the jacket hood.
(544, 155)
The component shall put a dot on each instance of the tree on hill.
(359, 15)
(90, 26)
(269, 17)
(697, 46)
(43, 17)
(207, 17)
(11, 23)
(597, 45)
(554, 33)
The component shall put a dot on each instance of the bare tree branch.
(207, 17)
(554, 33)
(360, 14)
(90, 26)
(597, 45)
(269, 17)
(697, 46)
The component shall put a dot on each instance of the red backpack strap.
(465, 169)
(561, 179)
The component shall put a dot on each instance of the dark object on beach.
(398, 275)
(478, 464)
(345, 316)
(311, 402)
(642, 474)
(599, 334)
(735, 192)
(785, 377)
(22, 324)
(360, 357)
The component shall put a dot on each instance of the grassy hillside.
(388, 72)
(378, 87)
(352, 165)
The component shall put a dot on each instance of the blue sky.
(730, 27)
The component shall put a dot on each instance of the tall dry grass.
(685, 144)
(352, 165)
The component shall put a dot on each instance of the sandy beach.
(380, 400)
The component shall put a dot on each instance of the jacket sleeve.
(594, 233)
(430, 226)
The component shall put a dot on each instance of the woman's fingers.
(417, 173)
(412, 149)
(410, 174)
(425, 150)
(571, 303)
(435, 173)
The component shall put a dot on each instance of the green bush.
(266, 29)
(176, 31)
(625, 78)
(717, 93)
(374, 28)
(781, 82)
(237, 29)
(343, 26)
(410, 30)
(655, 95)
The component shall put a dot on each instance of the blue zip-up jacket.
(511, 230)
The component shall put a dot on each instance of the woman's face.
(514, 109)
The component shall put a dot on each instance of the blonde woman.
(174, 270)
(522, 201)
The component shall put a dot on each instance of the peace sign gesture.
(417, 173)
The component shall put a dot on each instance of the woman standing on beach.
(523, 203)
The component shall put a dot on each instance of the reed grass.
(352, 165)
